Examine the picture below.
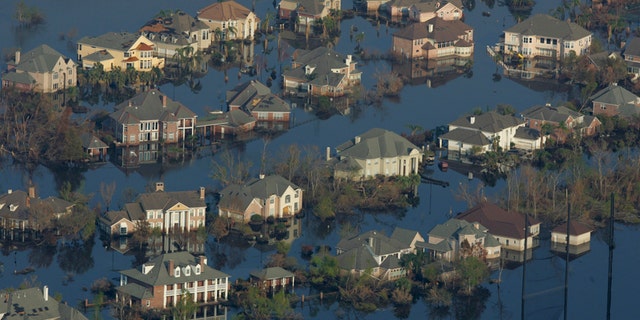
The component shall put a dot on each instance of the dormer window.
(13, 207)
(176, 272)
(187, 271)
(198, 269)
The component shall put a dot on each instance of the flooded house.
(457, 238)
(175, 31)
(435, 38)
(118, 50)
(229, 20)
(42, 69)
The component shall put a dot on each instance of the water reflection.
(433, 72)
(76, 257)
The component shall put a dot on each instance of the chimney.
(348, 60)
(32, 192)
(17, 58)
(159, 186)
(430, 27)
(164, 101)
(203, 261)
(370, 241)
(357, 139)
(261, 176)
(201, 193)
(28, 202)
(130, 103)
(328, 154)
(171, 267)
(547, 104)
(472, 119)
(10, 191)
(45, 293)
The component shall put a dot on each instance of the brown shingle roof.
(499, 221)
(575, 228)
(223, 11)
(443, 30)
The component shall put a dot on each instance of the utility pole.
(524, 266)
(566, 267)
(612, 246)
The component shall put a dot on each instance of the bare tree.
(106, 191)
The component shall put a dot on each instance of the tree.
(106, 191)
(230, 169)
(324, 269)
(325, 208)
(185, 307)
(472, 272)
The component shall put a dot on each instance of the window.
(272, 200)
(55, 76)
(187, 271)
(287, 199)
(297, 193)
(198, 272)
(148, 303)
(542, 40)
(176, 273)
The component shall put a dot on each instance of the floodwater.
(70, 270)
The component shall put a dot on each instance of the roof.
(376, 241)
(159, 271)
(31, 304)
(161, 200)
(17, 205)
(472, 137)
(443, 30)
(551, 114)
(575, 228)
(272, 273)
(452, 227)
(633, 47)
(90, 141)
(391, 262)
(376, 144)
(121, 41)
(434, 5)
(527, 133)
(41, 59)
(359, 258)
(323, 60)
(405, 236)
(310, 7)
(100, 55)
(147, 106)
(614, 94)
(224, 11)
(548, 26)
(498, 221)
(19, 77)
(240, 196)
(255, 96)
(492, 122)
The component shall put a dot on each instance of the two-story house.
(615, 100)
(161, 282)
(377, 152)
(377, 252)
(42, 69)
(123, 50)
(22, 211)
(307, 13)
(631, 54)
(256, 99)
(151, 116)
(542, 35)
(229, 20)
(508, 227)
(321, 72)
(167, 211)
(175, 31)
(267, 196)
(561, 120)
(425, 10)
(435, 38)
(456, 239)
(480, 133)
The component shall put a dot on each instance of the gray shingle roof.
(21, 204)
(254, 96)
(323, 60)
(433, 5)
(121, 41)
(472, 137)
(148, 105)
(615, 94)
(375, 144)
(19, 77)
(549, 113)
(165, 200)
(159, 273)
(40, 60)
(31, 304)
(90, 141)
(98, 56)
(443, 30)
(359, 258)
(488, 122)
(527, 133)
(238, 197)
(547, 26)
(404, 236)
(498, 221)
(633, 47)
(377, 241)
(272, 273)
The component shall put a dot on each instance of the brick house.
(615, 100)
(167, 211)
(562, 120)
(123, 50)
(151, 116)
(222, 124)
(435, 38)
(159, 283)
(256, 99)
(229, 20)
(270, 196)
(176, 31)
(21, 210)
(321, 72)
(377, 152)
(542, 35)
(42, 69)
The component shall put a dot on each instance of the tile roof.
(148, 105)
(548, 26)
(160, 275)
(375, 144)
(443, 30)
(575, 228)
(224, 11)
(498, 221)
(491, 122)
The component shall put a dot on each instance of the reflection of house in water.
(579, 239)
(432, 72)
